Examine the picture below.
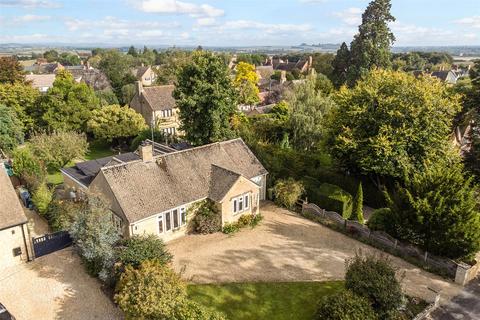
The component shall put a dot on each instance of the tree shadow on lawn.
(289, 301)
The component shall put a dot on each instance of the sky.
(230, 22)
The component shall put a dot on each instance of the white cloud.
(116, 23)
(206, 22)
(31, 18)
(30, 3)
(473, 22)
(410, 34)
(178, 7)
(350, 16)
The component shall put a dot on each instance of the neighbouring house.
(153, 193)
(145, 74)
(42, 82)
(304, 65)
(448, 77)
(41, 67)
(264, 74)
(93, 77)
(13, 225)
(157, 106)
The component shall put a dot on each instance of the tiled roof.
(41, 80)
(143, 188)
(159, 97)
(11, 211)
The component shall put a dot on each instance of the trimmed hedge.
(329, 197)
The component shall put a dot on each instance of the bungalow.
(153, 194)
(157, 106)
(13, 225)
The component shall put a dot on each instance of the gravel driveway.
(54, 286)
(286, 247)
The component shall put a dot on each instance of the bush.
(344, 306)
(207, 217)
(230, 228)
(333, 198)
(41, 197)
(144, 135)
(245, 220)
(60, 214)
(256, 220)
(380, 220)
(152, 291)
(288, 192)
(28, 167)
(137, 249)
(374, 279)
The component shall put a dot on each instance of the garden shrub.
(374, 278)
(207, 217)
(245, 220)
(152, 291)
(133, 251)
(380, 220)
(60, 214)
(332, 198)
(288, 192)
(41, 197)
(344, 306)
(230, 228)
(256, 220)
(28, 167)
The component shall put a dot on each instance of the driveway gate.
(50, 243)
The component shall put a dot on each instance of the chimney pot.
(146, 152)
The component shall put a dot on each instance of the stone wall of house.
(241, 187)
(10, 239)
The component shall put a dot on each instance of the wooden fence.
(384, 241)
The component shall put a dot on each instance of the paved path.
(54, 286)
(286, 247)
(465, 306)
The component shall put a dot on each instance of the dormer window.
(167, 113)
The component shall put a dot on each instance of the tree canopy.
(11, 71)
(21, 98)
(11, 129)
(246, 80)
(114, 122)
(67, 105)
(370, 48)
(390, 123)
(206, 99)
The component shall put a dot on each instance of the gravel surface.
(286, 247)
(54, 286)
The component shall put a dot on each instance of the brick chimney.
(146, 152)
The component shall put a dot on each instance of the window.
(175, 219)
(17, 251)
(160, 224)
(168, 221)
(183, 213)
(241, 203)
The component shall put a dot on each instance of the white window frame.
(181, 213)
(242, 201)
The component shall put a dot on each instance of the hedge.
(330, 197)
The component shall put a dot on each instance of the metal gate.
(50, 243)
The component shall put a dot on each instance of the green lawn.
(279, 301)
(97, 149)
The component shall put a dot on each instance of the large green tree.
(437, 209)
(11, 129)
(370, 48)
(307, 118)
(115, 122)
(340, 64)
(21, 98)
(116, 67)
(57, 149)
(206, 99)
(67, 105)
(390, 123)
(11, 71)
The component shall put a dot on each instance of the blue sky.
(230, 22)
